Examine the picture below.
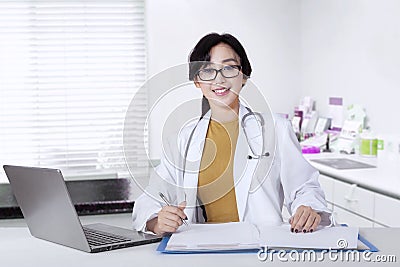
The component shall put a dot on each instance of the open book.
(242, 235)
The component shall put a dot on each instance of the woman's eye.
(228, 68)
(208, 70)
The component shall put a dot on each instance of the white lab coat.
(291, 178)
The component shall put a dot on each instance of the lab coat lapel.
(243, 167)
(194, 155)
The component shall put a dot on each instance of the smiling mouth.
(220, 90)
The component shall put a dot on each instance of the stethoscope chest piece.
(266, 154)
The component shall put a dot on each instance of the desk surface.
(19, 248)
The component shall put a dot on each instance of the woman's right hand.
(168, 220)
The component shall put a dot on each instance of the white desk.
(19, 248)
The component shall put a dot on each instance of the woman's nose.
(219, 78)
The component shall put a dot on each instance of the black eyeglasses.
(209, 74)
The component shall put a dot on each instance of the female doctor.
(221, 189)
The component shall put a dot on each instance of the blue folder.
(163, 244)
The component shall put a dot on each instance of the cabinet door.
(387, 210)
(356, 200)
(326, 183)
(343, 216)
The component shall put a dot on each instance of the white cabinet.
(354, 199)
(387, 210)
(343, 216)
(326, 183)
(351, 204)
(360, 207)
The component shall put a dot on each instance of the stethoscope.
(255, 155)
(261, 121)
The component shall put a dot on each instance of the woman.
(216, 187)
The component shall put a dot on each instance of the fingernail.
(296, 231)
(311, 230)
(291, 230)
(304, 230)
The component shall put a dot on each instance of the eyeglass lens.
(209, 74)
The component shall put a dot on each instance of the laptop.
(46, 205)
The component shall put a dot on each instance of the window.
(68, 71)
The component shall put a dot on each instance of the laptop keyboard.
(98, 238)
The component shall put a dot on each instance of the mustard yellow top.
(216, 186)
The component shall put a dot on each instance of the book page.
(323, 238)
(222, 236)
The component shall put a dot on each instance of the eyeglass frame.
(238, 67)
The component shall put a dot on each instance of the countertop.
(103, 196)
(382, 179)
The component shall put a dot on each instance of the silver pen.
(169, 204)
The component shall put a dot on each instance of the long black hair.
(201, 53)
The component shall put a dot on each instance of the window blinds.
(68, 71)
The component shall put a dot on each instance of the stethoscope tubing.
(243, 125)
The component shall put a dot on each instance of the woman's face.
(222, 92)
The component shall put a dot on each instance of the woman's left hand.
(304, 220)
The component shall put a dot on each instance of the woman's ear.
(197, 84)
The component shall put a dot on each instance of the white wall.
(269, 31)
(351, 48)
(347, 48)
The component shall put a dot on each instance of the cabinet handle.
(349, 196)
(350, 199)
